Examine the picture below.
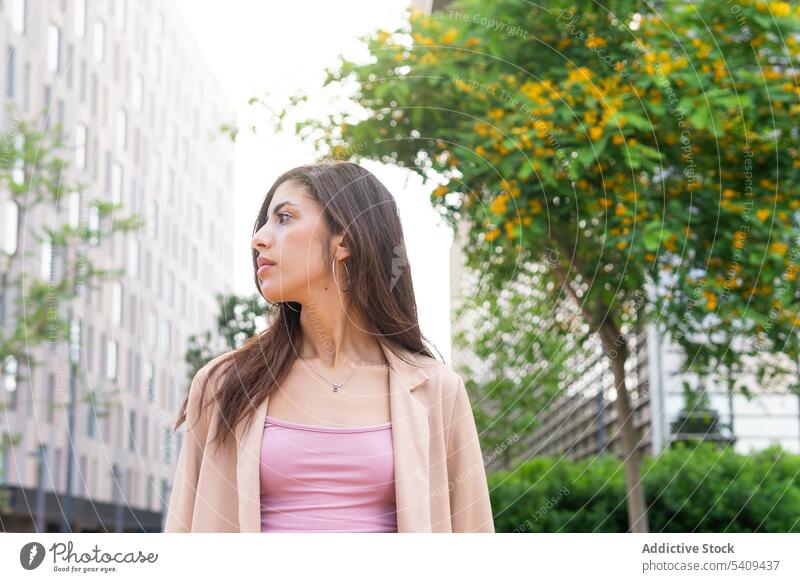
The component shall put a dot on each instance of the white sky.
(280, 47)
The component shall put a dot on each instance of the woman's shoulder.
(442, 379)
(206, 380)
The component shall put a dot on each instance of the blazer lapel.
(410, 440)
(248, 463)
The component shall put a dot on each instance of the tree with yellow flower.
(650, 165)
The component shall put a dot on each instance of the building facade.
(140, 110)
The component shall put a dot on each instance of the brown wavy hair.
(355, 202)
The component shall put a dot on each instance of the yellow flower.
(496, 113)
(622, 244)
(498, 205)
(596, 133)
(779, 247)
(449, 37)
(763, 214)
(510, 232)
(463, 86)
(780, 8)
(440, 191)
(428, 58)
(492, 234)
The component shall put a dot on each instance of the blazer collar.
(410, 440)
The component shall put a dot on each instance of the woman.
(336, 417)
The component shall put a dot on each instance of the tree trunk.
(617, 351)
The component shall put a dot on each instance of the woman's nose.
(261, 238)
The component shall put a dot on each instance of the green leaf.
(652, 235)
(526, 170)
(638, 121)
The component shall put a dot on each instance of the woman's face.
(293, 237)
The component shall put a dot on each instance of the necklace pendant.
(336, 387)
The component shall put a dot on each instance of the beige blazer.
(440, 481)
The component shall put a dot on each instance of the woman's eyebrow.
(282, 204)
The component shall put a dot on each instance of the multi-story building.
(141, 111)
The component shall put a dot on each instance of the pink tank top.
(327, 479)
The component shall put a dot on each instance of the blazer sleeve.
(470, 507)
(187, 472)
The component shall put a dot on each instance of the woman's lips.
(262, 270)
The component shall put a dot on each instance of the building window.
(116, 303)
(150, 380)
(152, 331)
(80, 18)
(89, 343)
(131, 380)
(153, 221)
(75, 209)
(155, 64)
(133, 256)
(99, 41)
(10, 381)
(171, 288)
(84, 478)
(80, 146)
(166, 337)
(18, 15)
(10, 73)
(167, 445)
(53, 48)
(120, 16)
(26, 87)
(94, 225)
(111, 360)
(132, 434)
(148, 262)
(47, 258)
(116, 182)
(173, 139)
(171, 186)
(5, 465)
(122, 130)
(138, 92)
(10, 216)
(51, 397)
(145, 440)
(82, 80)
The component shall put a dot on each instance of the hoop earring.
(333, 272)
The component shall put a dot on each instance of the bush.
(690, 488)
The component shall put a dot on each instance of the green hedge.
(689, 488)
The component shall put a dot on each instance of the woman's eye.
(281, 215)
